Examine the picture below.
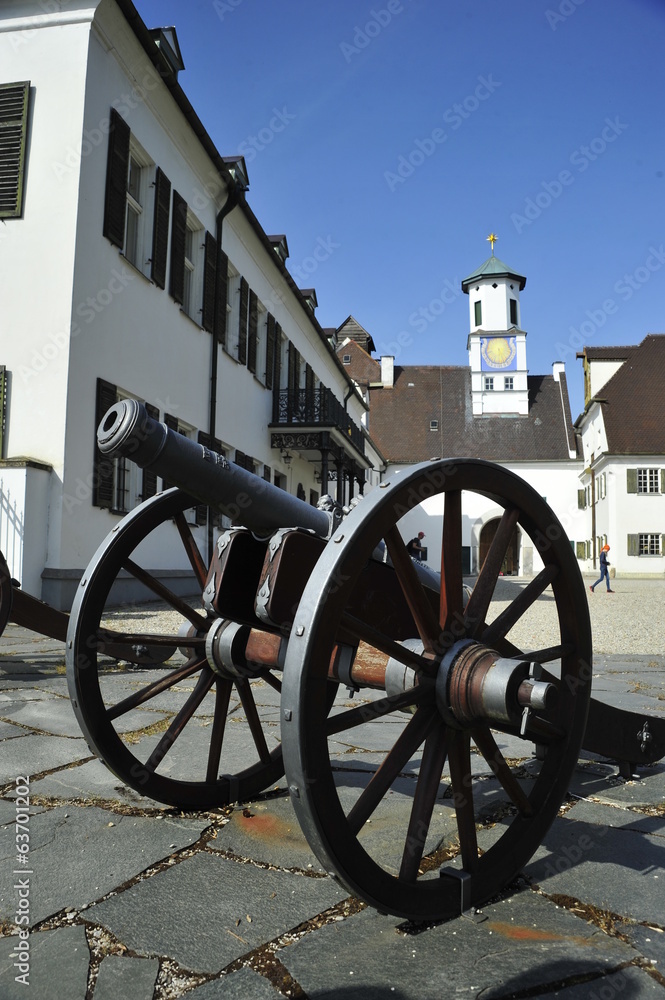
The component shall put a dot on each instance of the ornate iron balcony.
(315, 408)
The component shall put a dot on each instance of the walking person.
(415, 547)
(604, 570)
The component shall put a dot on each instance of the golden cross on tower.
(492, 238)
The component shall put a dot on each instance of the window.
(509, 383)
(434, 425)
(649, 544)
(13, 132)
(489, 383)
(647, 480)
(346, 359)
(478, 313)
(118, 484)
(513, 312)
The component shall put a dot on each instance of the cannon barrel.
(129, 431)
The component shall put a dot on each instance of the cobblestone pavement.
(126, 898)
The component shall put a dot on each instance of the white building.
(622, 484)
(493, 409)
(132, 265)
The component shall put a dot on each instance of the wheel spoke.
(487, 745)
(146, 693)
(550, 653)
(413, 590)
(253, 720)
(377, 709)
(479, 602)
(460, 773)
(203, 685)
(451, 601)
(411, 737)
(108, 638)
(505, 621)
(270, 679)
(157, 587)
(192, 550)
(365, 632)
(429, 780)
(223, 690)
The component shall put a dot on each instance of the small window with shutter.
(14, 99)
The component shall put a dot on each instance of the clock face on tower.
(498, 352)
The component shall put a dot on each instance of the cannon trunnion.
(301, 609)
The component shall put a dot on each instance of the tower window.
(509, 383)
(489, 383)
(513, 312)
(478, 313)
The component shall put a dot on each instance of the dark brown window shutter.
(309, 380)
(253, 331)
(209, 277)
(102, 475)
(294, 370)
(178, 238)
(160, 228)
(117, 167)
(149, 482)
(14, 98)
(270, 350)
(631, 480)
(242, 323)
(633, 545)
(222, 296)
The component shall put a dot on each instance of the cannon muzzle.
(129, 431)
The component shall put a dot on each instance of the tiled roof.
(632, 401)
(400, 419)
(607, 353)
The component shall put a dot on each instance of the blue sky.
(393, 137)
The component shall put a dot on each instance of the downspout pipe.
(231, 202)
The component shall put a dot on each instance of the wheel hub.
(226, 642)
(475, 684)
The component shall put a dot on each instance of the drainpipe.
(229, 205)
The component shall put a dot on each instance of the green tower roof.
(492, 268)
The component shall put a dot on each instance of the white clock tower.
(496, 344)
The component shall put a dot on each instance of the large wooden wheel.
(455, 693)
(161, 681)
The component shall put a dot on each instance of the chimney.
(558, 369)
(388, 370)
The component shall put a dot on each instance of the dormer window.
(238, 169)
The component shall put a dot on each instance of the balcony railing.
(316, 408)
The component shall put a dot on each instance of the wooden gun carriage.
(314, 601)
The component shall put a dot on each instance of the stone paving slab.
(622, 818)
(614, 869)
(197, 911)
(627, 984)
(519, 939)
(34, 754)
(59, 962)
(79, 854)
(242, 985)
(56, 716)
(126, 978)
(92, 780)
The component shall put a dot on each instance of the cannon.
(326, 607)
